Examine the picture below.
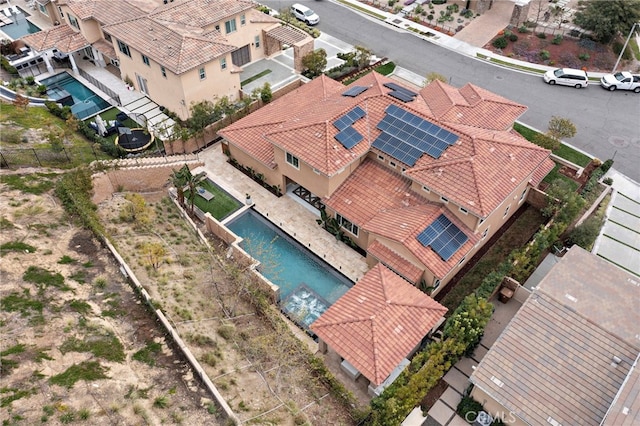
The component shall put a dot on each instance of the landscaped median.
(525, 66)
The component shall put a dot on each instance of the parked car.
(567, 77)
(621, 80)
(304, 14)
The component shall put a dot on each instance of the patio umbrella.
(102, 128)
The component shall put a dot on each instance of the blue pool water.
(308, 285)
(20, 26)
(69, 91)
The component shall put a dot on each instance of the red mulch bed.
(566, 54)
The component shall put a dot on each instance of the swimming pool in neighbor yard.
(65, 89)
(308, 285)
(19, 25)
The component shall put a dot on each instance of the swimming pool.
(20, 26)
(69, 91)
(308, 285)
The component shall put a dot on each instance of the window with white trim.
(163, 71)
(425, 189)
(256, 41)
(485, 233)
(61, 12)
(293, 160)
(482, 219)
(444, 199)
(462, 260)
(107, 37)
(463, 210)
(316, 171)
(230, 26)
(243, 20)
(145, 59)
(380, 157)
(404, 169)
(223, 63)
(74, 22)
(202, 73)
(392, 164)
(436, 284)
(122, 47)
(522, 196)
(347, 225)
(506, 212)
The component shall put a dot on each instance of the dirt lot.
(90, 315)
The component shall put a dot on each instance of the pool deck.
(287, 212)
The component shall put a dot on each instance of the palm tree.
(179, 179)
(192, 183)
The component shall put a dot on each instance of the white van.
(305, 14)
(567, 77)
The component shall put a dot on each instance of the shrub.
(608, 181)
(513, 37)
(430, 16)
(586, 233)
(584, 56)
(557, 39)
(500, 43)
(617, 48)
(523, 29)
(468, 408)
(541, 35)
(545, 55)
(438, 1)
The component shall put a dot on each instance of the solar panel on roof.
(354, 91)
(349, 137)
(401, 96)
(396, 87)
(349, 118)
(443, 237)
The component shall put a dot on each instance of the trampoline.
(133, 140)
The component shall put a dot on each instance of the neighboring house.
(377, 325)
(177, 52)
(418, 179)
(570, 354)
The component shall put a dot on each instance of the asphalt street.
(608, 123)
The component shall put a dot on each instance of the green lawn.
(515, 237)
(563, 151)
(220, 206)
(77, 147)
(254, 78)
(553, 175)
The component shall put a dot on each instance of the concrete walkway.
(619, 240)
(483, 28)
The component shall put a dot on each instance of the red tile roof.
(403, 226)
(252, 133)
(181, 35)
(62, 37)
(488, 162)
(378, 322)
(471, 105)
(370, 189)
(395, 262)
(104, 11)
(482, 168)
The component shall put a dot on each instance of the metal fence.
(39, 157)
(113, 95)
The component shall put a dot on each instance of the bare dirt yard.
(78, 345)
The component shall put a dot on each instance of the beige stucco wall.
(495, 409)
(89, 28)
(318, 183)
(51, 14)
